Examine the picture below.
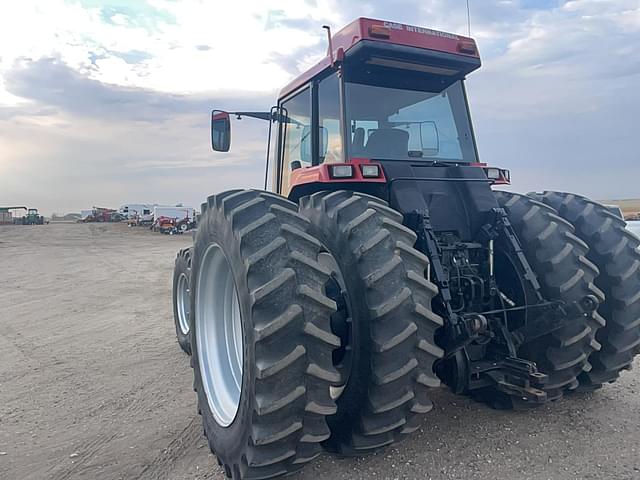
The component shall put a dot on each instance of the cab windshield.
(388, 123)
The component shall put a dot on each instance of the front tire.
(388, 300)
(182, 298)
(262, 343)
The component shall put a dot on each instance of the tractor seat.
(387, 143)
(357, 144)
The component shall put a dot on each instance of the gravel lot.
(93, 384)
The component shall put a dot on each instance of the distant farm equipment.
(160, 218)
(102, 215)
(10, 216)
(173, 220)
(178, 212)
(173, 225)
(32, 217)
(135, 210)
(140, 220)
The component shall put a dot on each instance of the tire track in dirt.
(187, 439)
(129, 405)
(87, 453)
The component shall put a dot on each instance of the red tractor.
(104, 215)
(382, 263)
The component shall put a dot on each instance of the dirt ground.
(94, 386)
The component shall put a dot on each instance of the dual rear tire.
(616, 252)
(578, 247)
(262, 340)
(273, 379)
(391, 328)
(559, 260)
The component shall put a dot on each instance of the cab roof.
(370, 30)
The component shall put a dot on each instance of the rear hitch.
(512, 376)
(464, 335)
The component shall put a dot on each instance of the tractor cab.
(387, 97)
(394, 93)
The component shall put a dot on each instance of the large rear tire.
(615, 251)
(261, 341)
(559, 259)
(392, 327)
(182, 298)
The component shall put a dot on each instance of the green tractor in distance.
(31, 218)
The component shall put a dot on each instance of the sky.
(107, 102)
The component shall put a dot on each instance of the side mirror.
(220, 131)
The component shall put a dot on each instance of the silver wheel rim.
(183, 303)
(219, 335)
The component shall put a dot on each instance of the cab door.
(311, 129)
(295, 137)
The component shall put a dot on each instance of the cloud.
(157, 44)
(51, 82)
(78, 142)
(300, 59)
(106, 102)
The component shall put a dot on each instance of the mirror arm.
(259, 115)
(273, 116)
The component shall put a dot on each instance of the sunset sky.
(107, 102)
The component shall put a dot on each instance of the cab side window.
(330, 134)
(296, 130)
